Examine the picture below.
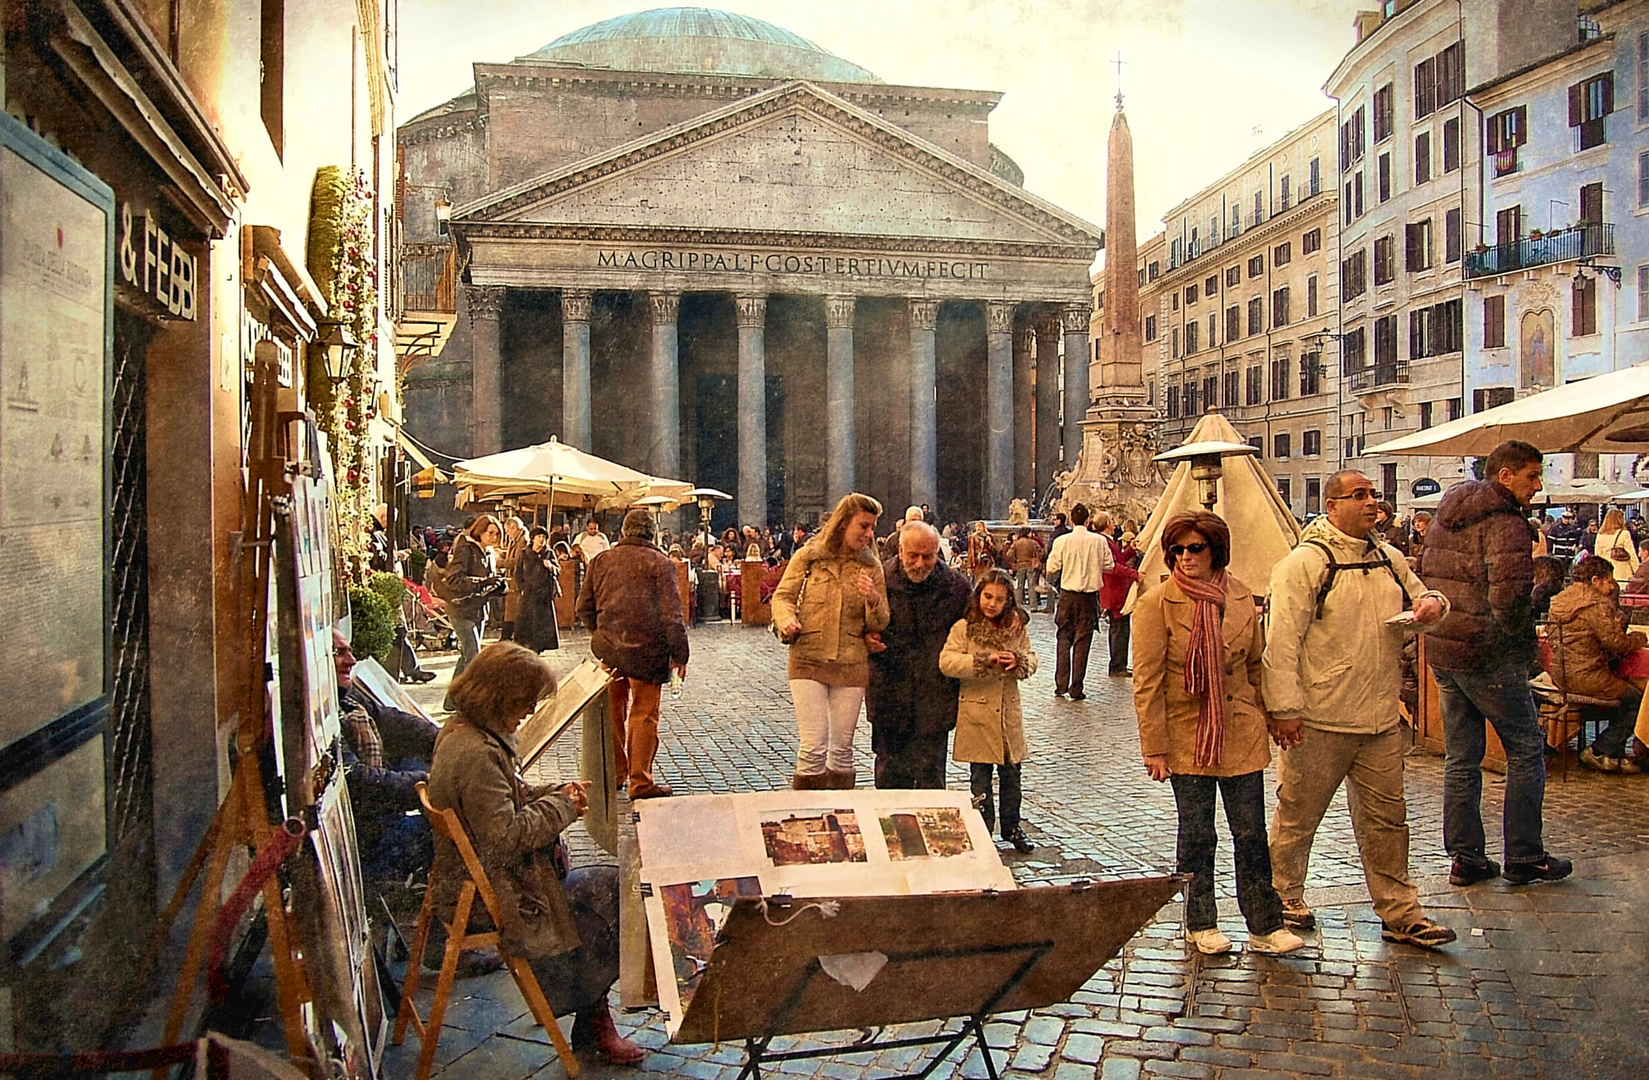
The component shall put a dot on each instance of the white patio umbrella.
(558, 475)
(1606, 414)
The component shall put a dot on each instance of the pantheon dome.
(700, 41)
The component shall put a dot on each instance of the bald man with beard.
(911, 704)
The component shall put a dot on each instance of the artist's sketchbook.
(700, 853)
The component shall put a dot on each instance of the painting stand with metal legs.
(787, 967)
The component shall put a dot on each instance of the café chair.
(459, 938)
(1563, 715)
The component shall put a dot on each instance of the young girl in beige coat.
(990, 652)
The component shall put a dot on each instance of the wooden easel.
(242, 821)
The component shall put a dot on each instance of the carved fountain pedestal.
(1114, 472)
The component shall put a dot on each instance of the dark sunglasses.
(1194, 549)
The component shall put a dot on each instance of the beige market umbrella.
(557, 475)
(1263, 530)
(1606, 414)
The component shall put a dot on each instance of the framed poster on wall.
(56, 338)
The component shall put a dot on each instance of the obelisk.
(1114, 471)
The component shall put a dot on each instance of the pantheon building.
(700, 245)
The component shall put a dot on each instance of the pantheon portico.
(784, 291)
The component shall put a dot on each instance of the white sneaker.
(1211, 942)
(1279, 941)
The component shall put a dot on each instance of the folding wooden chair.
(447, 823)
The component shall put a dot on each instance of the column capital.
(575, 305)
(999, 316)
(1049, 325)
(750, 310)
(666, 306)
(924, 313)
(839, 312)
(484, 301)
(1077, 317)
(1025, 338)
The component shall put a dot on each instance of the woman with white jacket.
(1615, 543)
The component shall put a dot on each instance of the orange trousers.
(632, 706)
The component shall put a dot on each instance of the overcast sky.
(1198, 75)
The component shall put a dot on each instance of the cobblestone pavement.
(1545, 980)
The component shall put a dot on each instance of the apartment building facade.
(1558, 289)
(1409, 146)
(1238, 298)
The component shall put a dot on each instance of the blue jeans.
(1024, 585)
(1499, 696)
(1244, 798)
(469, 644)
(1612, 740)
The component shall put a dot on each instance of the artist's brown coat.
(1167, 713)
(512, 825)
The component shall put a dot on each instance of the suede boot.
(841, 781)
(809, 781)
(593, 1027)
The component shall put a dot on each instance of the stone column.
(839, 471)
(1024, 449)
(486, 369)
(998, 408)
(1076, 377)
(924, 425)
(664, 457)
(752, 320)
(575, 369)
(1049, 442)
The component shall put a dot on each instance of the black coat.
(908, 693)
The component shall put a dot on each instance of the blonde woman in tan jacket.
(829, 607)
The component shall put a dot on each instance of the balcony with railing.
(1375, 376)
(1567, 245)
(429, 301)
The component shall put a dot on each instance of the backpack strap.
(1335, 566)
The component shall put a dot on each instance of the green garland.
(341, 245)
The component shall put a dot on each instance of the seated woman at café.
(563, 920)
(1588, 638)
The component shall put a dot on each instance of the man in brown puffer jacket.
(1588, 636)
(1479, 554)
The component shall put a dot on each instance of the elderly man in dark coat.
(631, 605)
(911, 704)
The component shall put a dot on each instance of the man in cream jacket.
(1331, 677)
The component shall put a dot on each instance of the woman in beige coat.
(990, 652)
(831, 598)
(1614, 542)
(1202, 727)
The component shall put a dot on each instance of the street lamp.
(1206, 467)
(443, 214)
(337, 351)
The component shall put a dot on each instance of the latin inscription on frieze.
(820, 266)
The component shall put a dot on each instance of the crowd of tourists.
(927, 635)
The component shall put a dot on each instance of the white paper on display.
(699, 853)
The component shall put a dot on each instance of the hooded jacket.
(1480, 554)
(1584, 627)
(1343, 671)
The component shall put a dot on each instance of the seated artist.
(386, 752)
(1588, 637)
(563, 922)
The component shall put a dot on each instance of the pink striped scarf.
(1205, 664)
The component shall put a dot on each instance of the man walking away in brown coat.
(1480, 554)
(632, 608)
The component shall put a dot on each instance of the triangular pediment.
(795, 159)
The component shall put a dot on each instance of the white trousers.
(825, 718)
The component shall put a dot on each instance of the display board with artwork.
(700, 854)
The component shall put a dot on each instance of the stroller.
(427, 626)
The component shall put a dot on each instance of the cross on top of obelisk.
(1119, 79)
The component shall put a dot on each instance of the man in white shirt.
(1079, 560)
(592, 543)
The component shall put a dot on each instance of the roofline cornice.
(529, 73)
(1257, 157)
(1326, 200)
(1514, 83)
(472, 231)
